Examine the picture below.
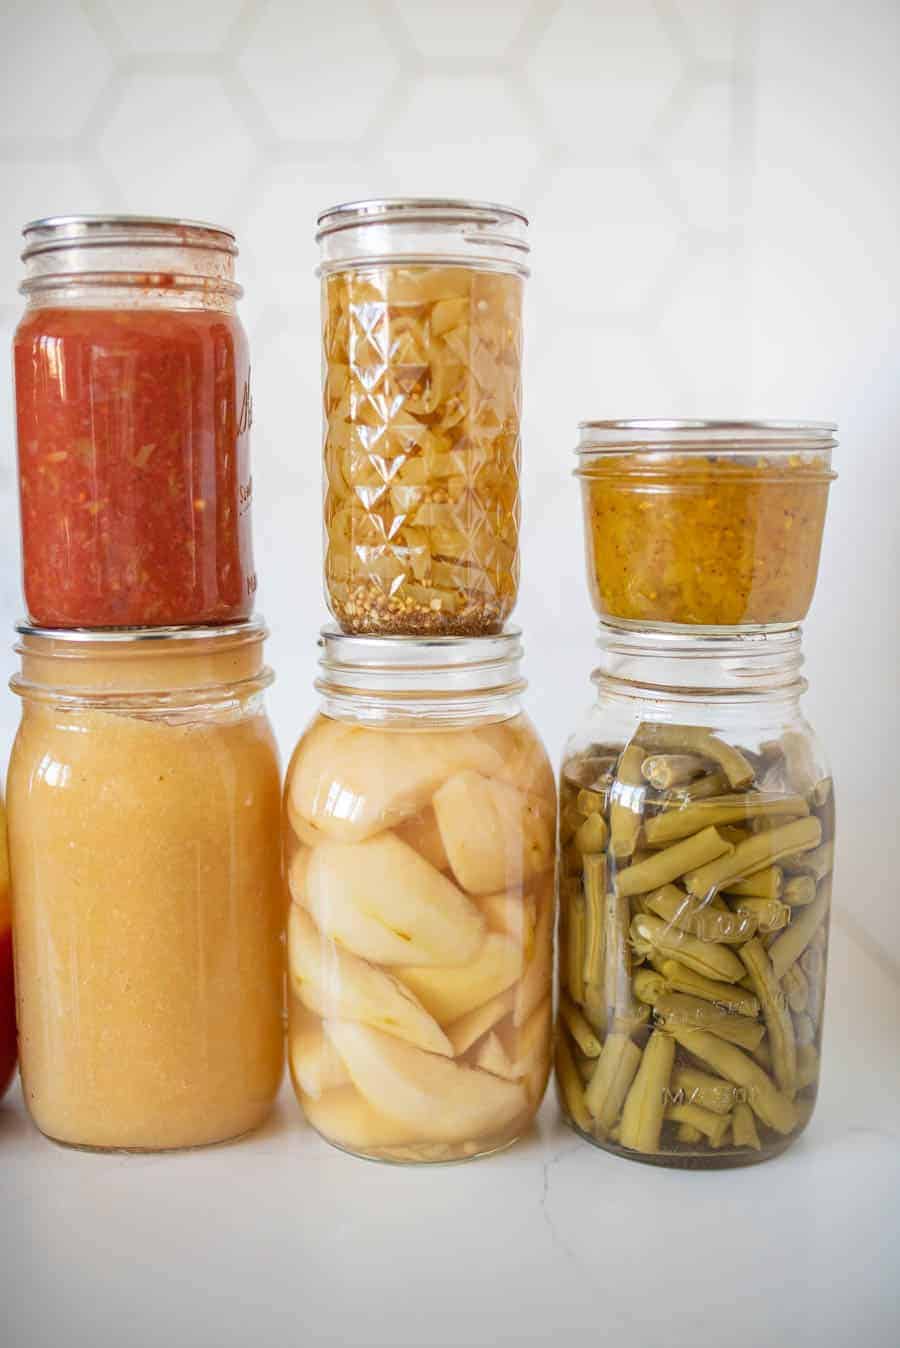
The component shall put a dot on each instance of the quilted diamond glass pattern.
(422, 403)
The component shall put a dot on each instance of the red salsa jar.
(133, 412)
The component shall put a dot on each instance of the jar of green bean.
(696, 852)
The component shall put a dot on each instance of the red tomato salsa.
(134, 468)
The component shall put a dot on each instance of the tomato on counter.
(7, 993)
(134, 466)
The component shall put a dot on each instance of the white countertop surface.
(280, 1239)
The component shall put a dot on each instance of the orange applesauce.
(713, 539)
(144, 826)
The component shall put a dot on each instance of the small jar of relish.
(133, 412)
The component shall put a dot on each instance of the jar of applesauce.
(144, 832)
(704, 524)
(422, 369)
(696, 852)
(420, 814)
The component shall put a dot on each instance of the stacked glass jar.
(420, 806)
(144, 787)
(696, 809)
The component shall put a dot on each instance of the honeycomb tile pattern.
(169, 28)
(198, 117)
(320, 80)
(469, 36)
(455, 112)
(592, 100)
(714, 226)
(61, 63)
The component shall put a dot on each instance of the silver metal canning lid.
(252, 629)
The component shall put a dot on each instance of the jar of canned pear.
(696, 854)
(420, 818)
(422, 356)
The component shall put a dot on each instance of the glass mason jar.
(422, 370)
(420, 813)
(697, 840)
(7, 990)
(144, 804)
(710, 524)
(133, 409)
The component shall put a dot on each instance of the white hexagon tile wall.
(624, 127)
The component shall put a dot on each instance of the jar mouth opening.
(55, 232)
(712, 664)
(423, 231)
(651, 436)
(415, 210)
(126, 665)
(426, 666)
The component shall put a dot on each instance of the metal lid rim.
(251, 627)
(116, 218)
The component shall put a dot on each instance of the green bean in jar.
(695, 887)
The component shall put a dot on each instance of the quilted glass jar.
(422, 351)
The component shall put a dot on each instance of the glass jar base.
(114, 1150)
(425, 1153)
(250, 1123)
(726, 1159)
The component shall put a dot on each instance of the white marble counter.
(282, 1240)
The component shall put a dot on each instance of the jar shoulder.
(610, 725)
(147, 760)
(354, 779)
